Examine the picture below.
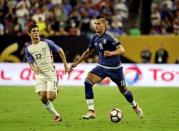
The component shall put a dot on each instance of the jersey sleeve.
(52, 45)
(114, 40)
(29, 57)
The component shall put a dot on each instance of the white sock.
(90, 103)
(49, 106)
(133, 103)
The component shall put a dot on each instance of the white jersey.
(41, 55)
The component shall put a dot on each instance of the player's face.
(34, 33)
(99, 26)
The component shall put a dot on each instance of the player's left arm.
(63, 57)
(119, 51)
(57, 49)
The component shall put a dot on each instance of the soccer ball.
(115, 115)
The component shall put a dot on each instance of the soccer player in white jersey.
(39, 56)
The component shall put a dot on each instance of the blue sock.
(88, 89)
(128, 95)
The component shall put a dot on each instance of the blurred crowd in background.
(165, 17)
(60, 17)
(75, 17)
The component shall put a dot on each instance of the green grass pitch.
(21, 110)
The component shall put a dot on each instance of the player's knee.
(123, 89)
(43, 99)
(51, 97)
(88, 83)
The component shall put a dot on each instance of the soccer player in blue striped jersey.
(40, 58)
(109, 50)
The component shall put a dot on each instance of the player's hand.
(72, 66)
(107, 53)
(67, 70)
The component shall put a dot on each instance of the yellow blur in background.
(135, 44)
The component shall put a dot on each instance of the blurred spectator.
(10, 19)
(90, 60)
(22, 14)
(121, 9)
(77, 57)
(30, 21)
(177, 61)
(56, 2)
(96, 59)
(3, 10)
(74, 23)
(166, 12)
(42, 27)
(166, 26)
(85, 22)
(17, 29)
(161, 55)
(146, 55)
(155, 19)
(67, 8)
(1, 29)
(58, 27)
(39, 15)
(169, 4)
(176, 23)
(117, 26)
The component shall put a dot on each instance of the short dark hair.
(103, 19)
(100, 17)
(30, 27)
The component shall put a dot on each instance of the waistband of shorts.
(107, 67)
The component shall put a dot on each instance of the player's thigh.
(52, 89)
(117, 77)
(42, 93)
(96, 74)
(41, 86)
(121, 84)
(93, 77)
(43, 96)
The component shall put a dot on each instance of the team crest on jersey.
(116, 39)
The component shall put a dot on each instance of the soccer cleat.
(89, 115)
(138, 111)
(57, 119)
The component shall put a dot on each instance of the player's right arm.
(32, 67)
(88, 52)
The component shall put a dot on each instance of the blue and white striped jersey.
(107, 41)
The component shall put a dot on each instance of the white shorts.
(46, 86)
(46, 82)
